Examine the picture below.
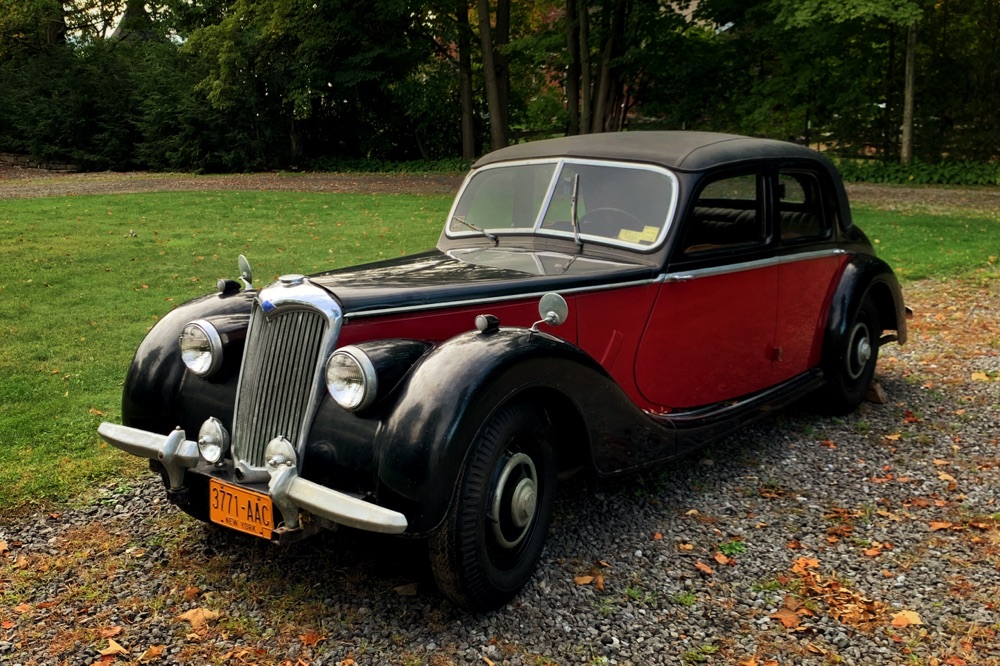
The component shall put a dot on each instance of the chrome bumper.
(287, 489)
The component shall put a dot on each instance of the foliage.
(948, 172)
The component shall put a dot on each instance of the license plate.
(240, 509)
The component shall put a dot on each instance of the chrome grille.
(276, 380)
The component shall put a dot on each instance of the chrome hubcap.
(859, 352)
(514, 500)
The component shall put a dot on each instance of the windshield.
(617, 204)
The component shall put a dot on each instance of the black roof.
(684, 151)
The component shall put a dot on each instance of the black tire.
(493, 535)
(850, 371)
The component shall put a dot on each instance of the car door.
(710, 334)
(805, 212)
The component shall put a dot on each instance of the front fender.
(444, 402)
(864, 276)
(160, 394)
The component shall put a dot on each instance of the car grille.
(276, 380)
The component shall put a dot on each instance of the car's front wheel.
(492, 537)
(849, 374)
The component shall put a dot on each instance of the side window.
(726, 215)
(800, 207)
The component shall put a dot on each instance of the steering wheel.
(608, 215)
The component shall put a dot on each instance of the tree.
(494, 39)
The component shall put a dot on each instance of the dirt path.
(17, 183)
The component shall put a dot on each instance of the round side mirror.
(553, 309)
(245, 273)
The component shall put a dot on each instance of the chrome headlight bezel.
(351, 379)
(201, 347)
(213, 441)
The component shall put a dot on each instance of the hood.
(473, 274)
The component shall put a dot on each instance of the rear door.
(710, 336)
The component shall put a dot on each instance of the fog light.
(213, 440)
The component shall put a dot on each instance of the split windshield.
(617, 204)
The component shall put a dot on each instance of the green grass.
(920, 245)
(78, 292)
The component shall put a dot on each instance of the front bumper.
(290, 492)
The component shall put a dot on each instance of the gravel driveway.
(870, 539)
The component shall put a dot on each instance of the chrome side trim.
(686, 276)
(500, 299)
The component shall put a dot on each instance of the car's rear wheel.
(492, 537)
(849, 374)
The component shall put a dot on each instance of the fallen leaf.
(112, 649)
(704, 568)
(311, 639)
(794, 545)
(346, 662)
(199, 617)
(939, 461)
(4, 549)
(685, 546)
(722, 559)
(905, 618)
(151, 653)
(658, 536)
(873, 552)
(804, 563)
(943, 525)
(599, 583)
(96, 412)
(8, 624)
(602, 563)
(788, 618)
(583, 580)
(828, 443)
(22, 608)
(191, 593)
(894, 437)
(980, 377)
(110, 632)
(954, 661)
(952, 483)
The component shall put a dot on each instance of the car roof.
(680, 150)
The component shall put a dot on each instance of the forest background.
(896, 90)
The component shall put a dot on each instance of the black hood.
(473, 274)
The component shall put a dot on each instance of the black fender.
(864, 276)
(160, 394)
(452, 392)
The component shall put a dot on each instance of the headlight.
(213, 440)
(350, 378)
(201, 348)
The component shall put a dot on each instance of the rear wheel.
(849, 375)
(492, 537)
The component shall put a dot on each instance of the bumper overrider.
(289, 492)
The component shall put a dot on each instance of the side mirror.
(552, 309)
(245, 273)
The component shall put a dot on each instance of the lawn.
(83, 278)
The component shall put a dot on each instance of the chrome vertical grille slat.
(276, 380)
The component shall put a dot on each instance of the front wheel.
(849, 375)
(492, 537)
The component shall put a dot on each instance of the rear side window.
(800, 207)
(727, 215)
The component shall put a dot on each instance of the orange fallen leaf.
(685, 546)
(722, 559)
(952, 483)
(96, 412)
(794, 545)
(954, 660)
(112, 649)
(311, 639)
(874, 551)
(804, 563)
(943, 525)
(894, 437)
(8, 624)
(4, 548)
(22, 608)
(905, 618)
(599, 582)
(583, 580)
(828, 443)
(658, 537)
(191, 593)
(788, 618)
(939, 461)
(346, 662)
(110, 632)
(704, 568)
(151, 653)
(980, 377)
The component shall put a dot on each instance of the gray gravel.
(126, 565)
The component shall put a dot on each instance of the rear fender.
(864, 276)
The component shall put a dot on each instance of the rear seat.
(715, 227)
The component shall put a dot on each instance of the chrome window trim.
(684, 276)
(536, 230)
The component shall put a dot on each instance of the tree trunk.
(604, 95)
(465, 79)
(586, 78)
(573, 69)
(906, 149)
(491, 71)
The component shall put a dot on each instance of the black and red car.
(607, 301)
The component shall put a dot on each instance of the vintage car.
(600, 302)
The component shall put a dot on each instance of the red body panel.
(709, 339)
(804, 291)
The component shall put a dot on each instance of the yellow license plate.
(240, 509)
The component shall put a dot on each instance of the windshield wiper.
(461, 220)
(572, 210)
